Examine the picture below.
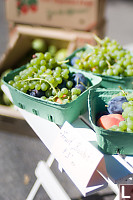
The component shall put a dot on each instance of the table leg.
(34, 190)
(49, 182)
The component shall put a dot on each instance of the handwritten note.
(78, 157)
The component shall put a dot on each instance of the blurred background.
(20, 148)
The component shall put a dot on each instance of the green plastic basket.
(107, 81)
(52, 111)
(109, 142)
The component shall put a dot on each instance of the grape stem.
(88, 56)
(98, 40)
(89, 45)
(122, 90)
(63, 61)
(109, 65)
(41, 79)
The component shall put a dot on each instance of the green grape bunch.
(107, 57)
(127, 114)
(46, 78)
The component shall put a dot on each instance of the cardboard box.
(82, 15)
(22, 37)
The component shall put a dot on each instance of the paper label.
(78, 157)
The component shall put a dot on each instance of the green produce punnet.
(109, 142)
(107, 81)
(52, 111)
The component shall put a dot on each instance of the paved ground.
(19, 154)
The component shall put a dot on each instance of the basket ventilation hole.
(50, 118)
(21, 105)
(35, 111)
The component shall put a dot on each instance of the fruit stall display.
(113, 119)
(107, 59)
(48, 88)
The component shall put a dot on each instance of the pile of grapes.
(108, 57)
(48, 79)
(124, 107)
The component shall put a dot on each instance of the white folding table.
(119, 168)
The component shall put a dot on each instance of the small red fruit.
(24, 9)
(34, 7)
(107, 121)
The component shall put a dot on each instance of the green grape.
(95, 70)
(53, 92)
(58, 69)
(74, 97)
(40, 72)
(43, 62)
(43, 97)
(36, 75)
(10, 82)
(43, 68)
(55, 83)
(38, 86)
(129, 72)
(113, 128)
(65, 76)
(126, 111)
(50, 78)
(18, 85)
(65, 101)
(123, 125)
(44, 86)
(85, 65)
(129, 130)
(119, 129)
(17, 78)
(52, 62)
(130, 103)
(31, 85)
(59, 80)
(124, 105)
(105, 41)
(80, 65)
(48, 71)
(26, 87)
(130, 97)
(69, 84)
(48, 93)
(64, 66)
(75, 91)
(109, 72)
(130, 115)
(130, 124)
(47, 56)
(56, 74)
(40, 56)
(60, 94)
(64, 90)
(115, 72)
(102, 64)
(96, 62)
(35, 61)
(23, 90)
